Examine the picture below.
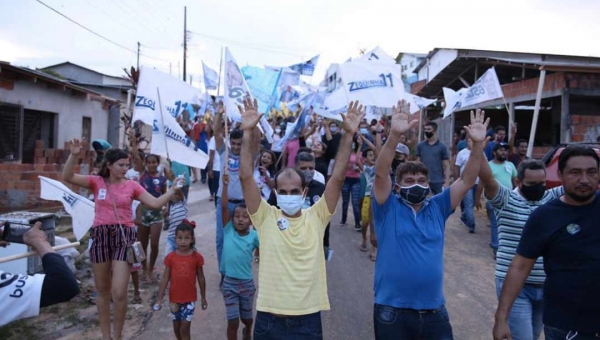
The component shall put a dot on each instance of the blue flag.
(306, 68)
(262, 84)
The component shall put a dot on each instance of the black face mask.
(414, 194)
(428, 134)
(533, 192)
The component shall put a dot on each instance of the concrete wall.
(70, 108)
(437, 63)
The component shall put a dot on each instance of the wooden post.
(565, 136)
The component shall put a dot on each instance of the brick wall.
(583, 80)
(552, 82)
(584, 128)
(418, 86)
(20, 185)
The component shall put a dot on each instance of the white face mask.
(290, 204)
(277, 130)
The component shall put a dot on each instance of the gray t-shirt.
(433, 156)
(233, 165)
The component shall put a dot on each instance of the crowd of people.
(275, 201)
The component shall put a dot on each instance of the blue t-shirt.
(236, 261)
(154, 185)
(180, 169)
(409, 271)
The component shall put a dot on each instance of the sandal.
(373, 257)
(363, 248)
(136, 300)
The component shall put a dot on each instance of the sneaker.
(343, 223)
(357, 228)
(471, 230)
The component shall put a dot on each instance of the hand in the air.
(400, 118)
(352, 118)
(478, 128)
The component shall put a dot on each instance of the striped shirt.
(178, 212)
(512, 211)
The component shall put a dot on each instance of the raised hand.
(478, 128)
(220, 108)
(400, 118)
(513, 129)
(250, 115)
(351, 120)
(76, 146)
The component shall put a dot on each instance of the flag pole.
(536, 112)
(220, 68)
(33, 252)
(226, 141)
(162, 121)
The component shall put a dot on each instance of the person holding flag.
(292, 277)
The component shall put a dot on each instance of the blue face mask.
(290, 204)
(364, 131)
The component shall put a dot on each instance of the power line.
(96, 34)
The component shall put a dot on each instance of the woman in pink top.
(113, 230)
(352, 184)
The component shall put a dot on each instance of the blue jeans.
(552, 333)
(494, 224)
(525, 318)
(219, 238)
(351, 186)
(301, 327)
(468, 202)
(396, 323)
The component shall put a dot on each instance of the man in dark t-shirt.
(565, 232)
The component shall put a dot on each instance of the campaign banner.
(377, 55)
(486, 88)
(377, 84)
(211, 77)
(176, 96)
(80, 208)
(169, 140)
(262, 84)
(306, 68)
(334, 105)
(236, 90)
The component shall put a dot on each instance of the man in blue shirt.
(409, 299)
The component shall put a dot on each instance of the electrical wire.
(97, 34)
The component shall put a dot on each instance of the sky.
(284, 32)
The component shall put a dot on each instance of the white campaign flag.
(169, 140)
(80, 208)
(236, 89)
(377, 84)
(378, 55)
(211, 77)
(176, 95)
(335, 104)
(486, 88)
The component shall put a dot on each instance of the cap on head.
(401, 148)
(500, 146)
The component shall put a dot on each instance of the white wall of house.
(437, 63)
(70, 109)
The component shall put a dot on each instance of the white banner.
(171, 141)
(336, 104)
(486, 88)
(378, 55)
(80, 208)
(211, 77)
(377, 84)
(236, 89)
(176, 96)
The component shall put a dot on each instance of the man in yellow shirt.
(292, 279)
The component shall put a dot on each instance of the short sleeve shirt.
(154, 185)
(237, 253)
(124, 194)
(567, 237)
(504, 173)
(20, 295)
(292, 277)
(234, 190)
(461, 160)
(184, 273)
(216, 166)
(433, 156)
(409, 271)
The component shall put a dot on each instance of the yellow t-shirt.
(291, 275)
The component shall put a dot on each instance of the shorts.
(108, 243)
(239, 298)
(171, 245)
(365, 209)
(182, 311)
(151, 217)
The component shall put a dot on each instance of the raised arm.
(158, 203)
(250, 118)
(382, 187)
(225, 200)
(476, 132)
(487, 182)
(218, 126)
(68, 175)
(138, 162)
(511, 141)
(351, 121)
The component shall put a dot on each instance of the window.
(86, 129)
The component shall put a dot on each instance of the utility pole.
(138, 57)
(184, 41)
(178, 69)
(170, 70)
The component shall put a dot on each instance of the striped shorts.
(108, 243)
(239, 298)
